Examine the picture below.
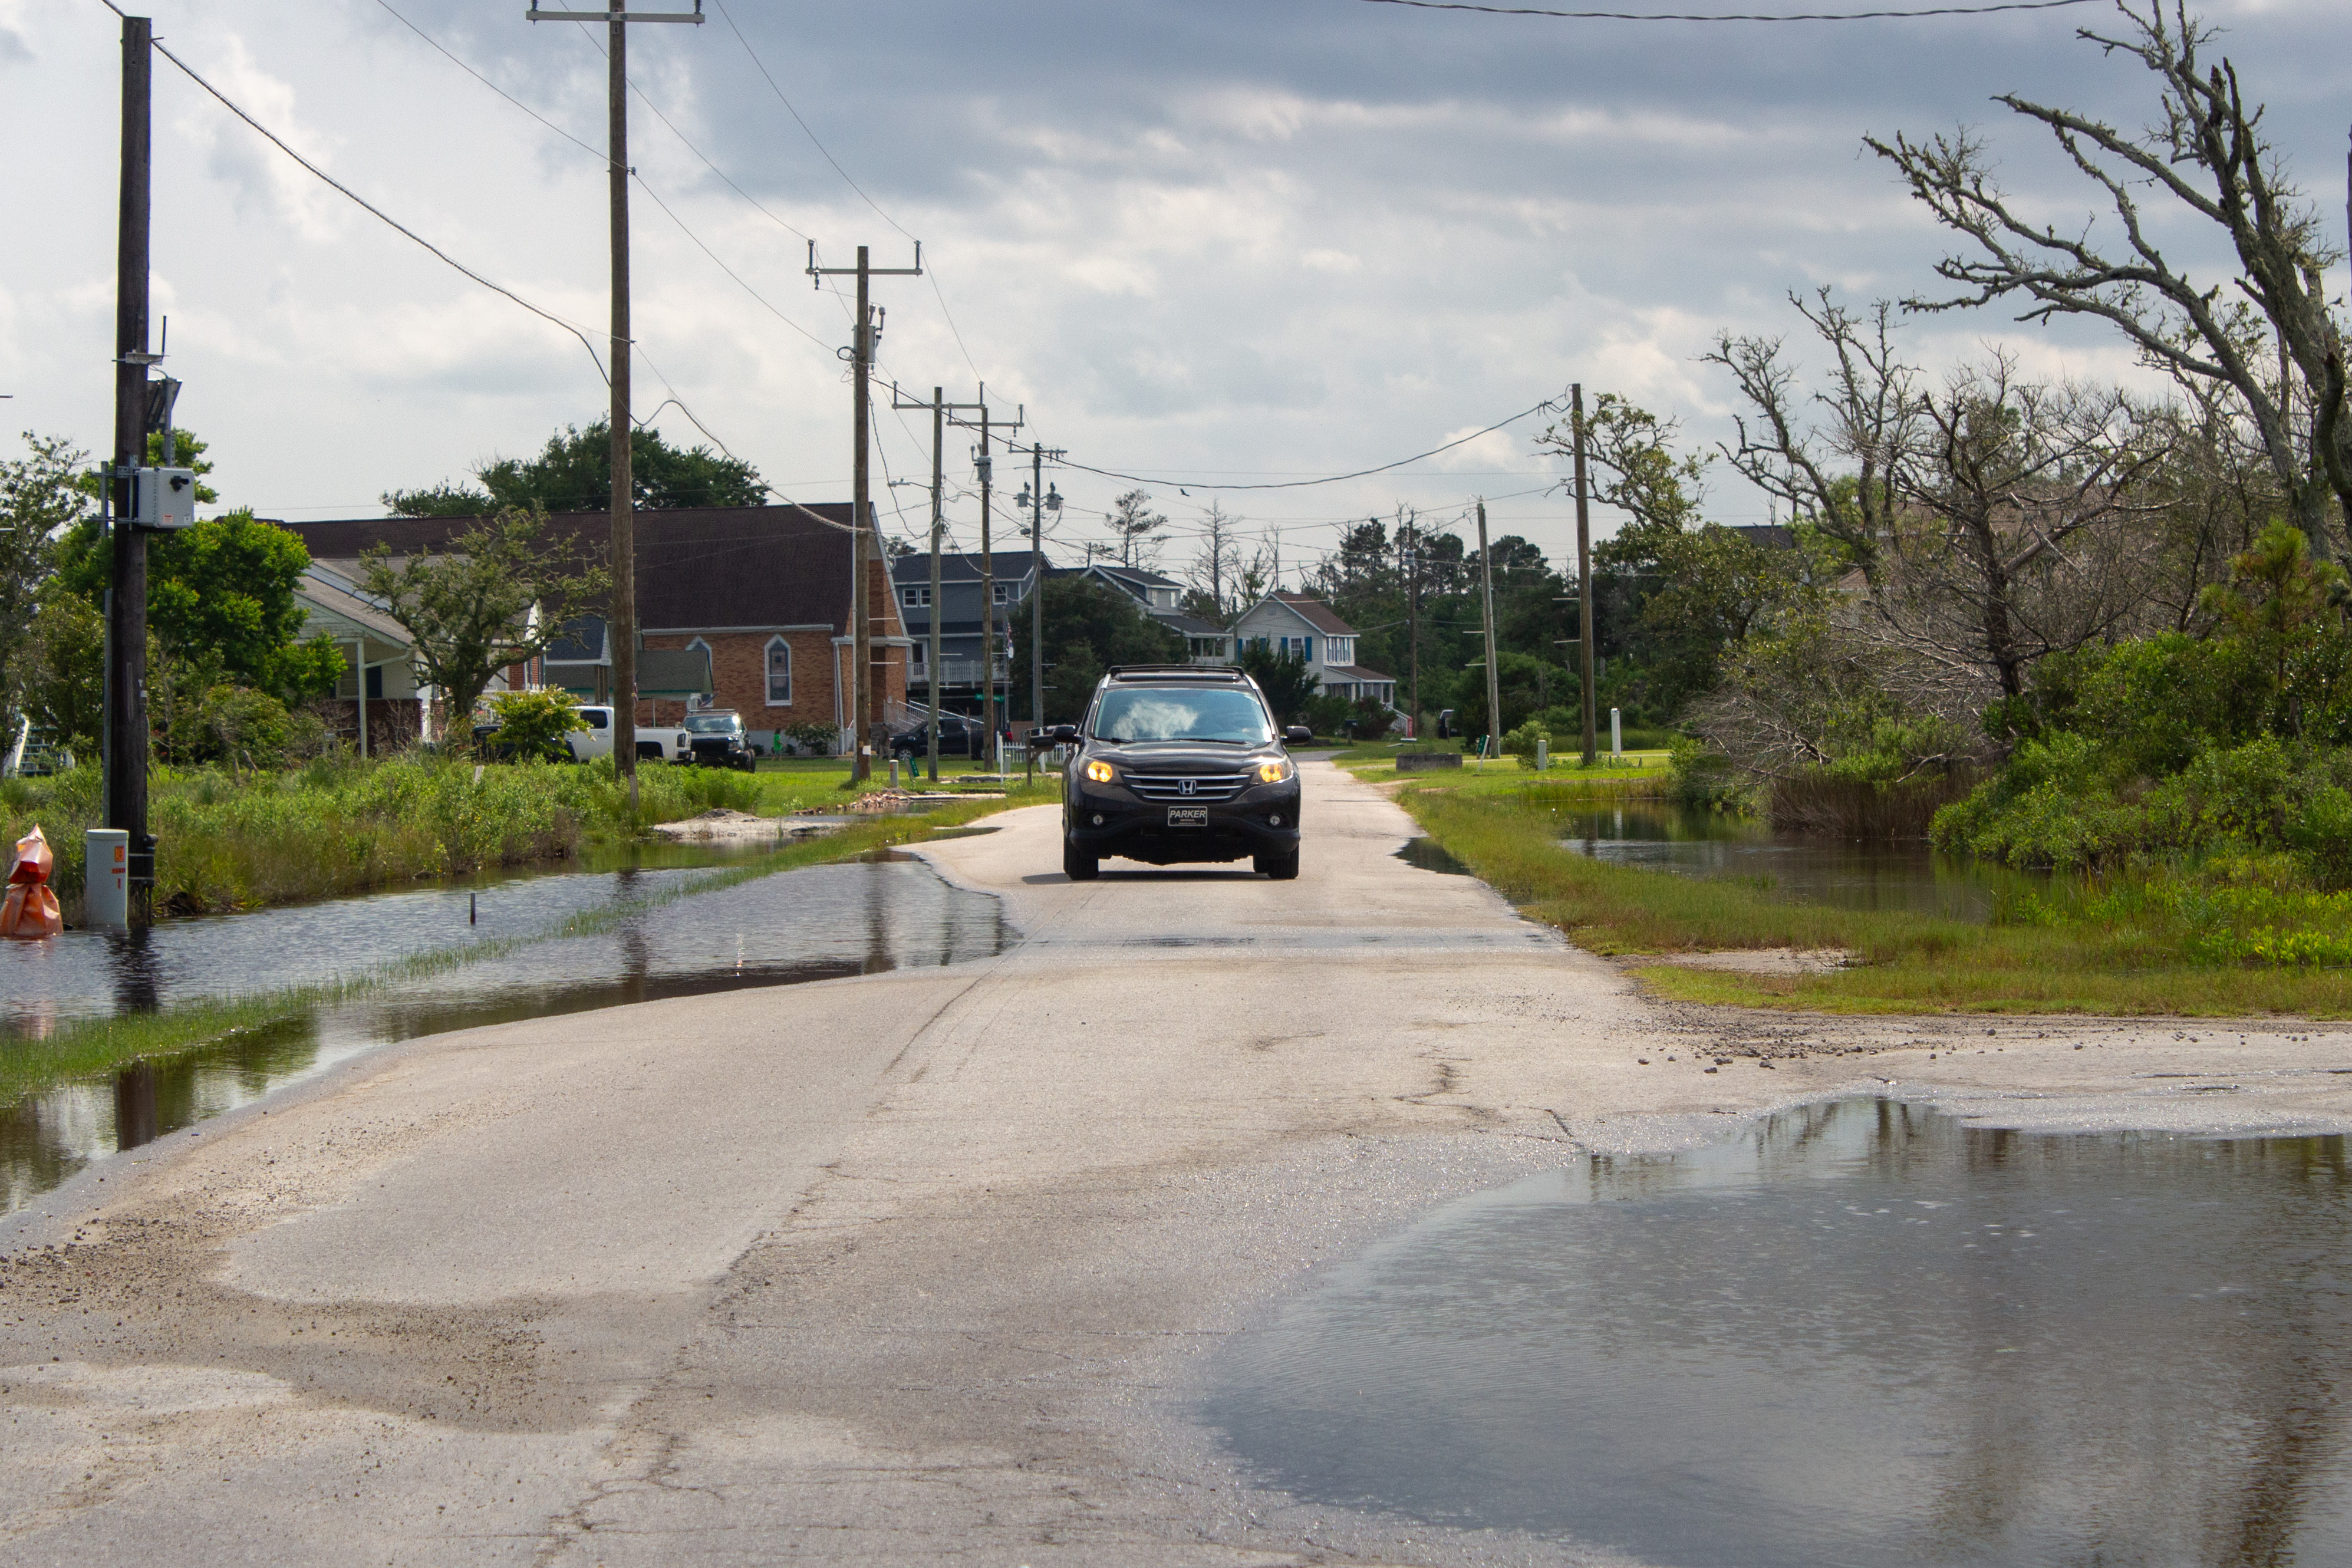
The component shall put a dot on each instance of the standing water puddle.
(1863, 1334)
(820, 923)
(1807, 870)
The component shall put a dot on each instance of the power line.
(1732, 17)
(1543, 407)
(601, 157)
(370, 207)
(803, 124)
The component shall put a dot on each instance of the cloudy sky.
(1201, 240)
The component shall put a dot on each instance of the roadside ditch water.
(1660, 837)
(818, 923)
(1862, 1332)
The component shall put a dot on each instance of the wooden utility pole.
(621, 627)
(126, 606)
(1585, 616)
(1039, 502)
(865, 709)
(985, 462)
(942, 410)
(1494, 674)
(1409, 548)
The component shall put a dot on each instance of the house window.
(914, 598)
(1303, 647)
(780, 673)
(1003, 592)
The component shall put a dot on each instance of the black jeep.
(1179, 763)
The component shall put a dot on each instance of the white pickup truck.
(654, 745)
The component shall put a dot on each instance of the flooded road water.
(1863, 1334)
(820, 923)
(1655, 836)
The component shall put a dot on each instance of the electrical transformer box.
(163, 497)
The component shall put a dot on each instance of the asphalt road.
(903, 1268)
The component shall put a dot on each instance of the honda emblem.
(1186, 787)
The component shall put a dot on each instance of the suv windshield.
(710, 724)
(1182, 714)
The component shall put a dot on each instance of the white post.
(359, 668)
(1543, 754)
(105, 879)
(1616, 736)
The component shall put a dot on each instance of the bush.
(1326, 715)
(1521, 741)
(1372, 719)
(813, 739)
(533, 723)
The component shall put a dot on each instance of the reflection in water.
(1863, 1334)
(138, 982)
(1849, 874)
(823, 922)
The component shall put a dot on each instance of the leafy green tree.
(1284, 676)
(471, 612)
(1529, 686)
(220, 593)
(574, 473)
(38, 496)
(1089, 628)
(57, 678)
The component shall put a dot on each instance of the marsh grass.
(88, 1047)
(229, 840)
(2129, 948)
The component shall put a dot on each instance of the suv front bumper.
(1104, 819)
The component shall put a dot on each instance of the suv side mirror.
(1064, 734)
(1298, 736)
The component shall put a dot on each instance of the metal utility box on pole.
(1584, 582)
(865, 712)
(1494, 677)
(621, 628)
(126, 603)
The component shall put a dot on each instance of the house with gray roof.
(1304, 625)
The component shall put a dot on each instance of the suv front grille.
(1207, 789)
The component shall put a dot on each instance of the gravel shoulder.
(910, 1266)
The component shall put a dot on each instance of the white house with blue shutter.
(1303, 624)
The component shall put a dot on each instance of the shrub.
(533, 723)
(814, 739)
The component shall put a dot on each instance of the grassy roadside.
(2109, 959)
(87, 1048)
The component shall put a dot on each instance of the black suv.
(717, 739)
(1178, 764)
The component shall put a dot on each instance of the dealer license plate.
(1188, 816)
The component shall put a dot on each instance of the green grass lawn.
(2121, 958)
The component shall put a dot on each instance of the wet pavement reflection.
(1864, 1333)
(822, 923)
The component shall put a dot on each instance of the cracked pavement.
(929, 1265)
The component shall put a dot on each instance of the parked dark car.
(718, 742)
(1179, 763)
(959, 737)
(1445, 729)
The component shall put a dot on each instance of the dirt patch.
(1753, 961)
(722, 824)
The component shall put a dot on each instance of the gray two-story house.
(957, 682)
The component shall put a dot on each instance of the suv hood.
(1178, 756)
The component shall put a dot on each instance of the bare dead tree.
(2029, 526)
(2206, 154)
(1830, 454)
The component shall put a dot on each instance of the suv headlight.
(1099, 770)
(1275, 771)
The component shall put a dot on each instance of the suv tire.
(1081, 868)
(1280, 867)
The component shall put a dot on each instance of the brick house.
(741, 607)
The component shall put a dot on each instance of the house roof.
(1355, 672)
(1192, 625)
(915, 570)
(335, 605)
(697, 566)
(1140, 576)
(1307, 608)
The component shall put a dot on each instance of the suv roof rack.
(1224, 672)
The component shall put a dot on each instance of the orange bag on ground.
(31, 911)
